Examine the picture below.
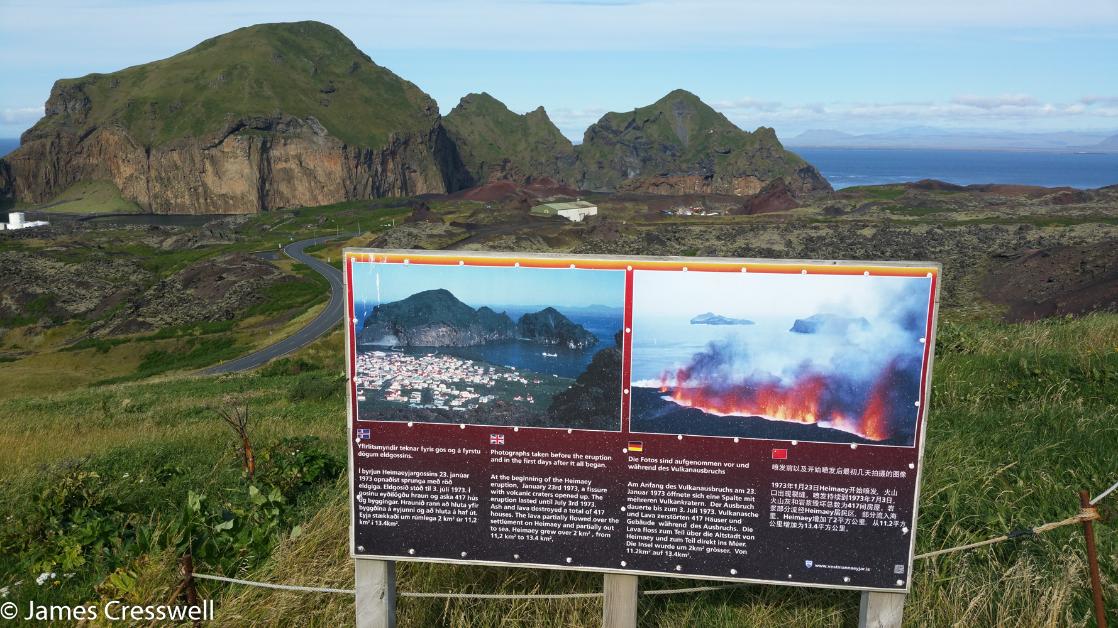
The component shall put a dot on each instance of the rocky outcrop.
(776, 196)
(826, 323)
(550, 327)
(337, 128)
(255, 165)
(710, 318)
(287, 115)
(39, 288)
(214, 289)
(1061, 280)
(497, 144)
(435, 318)
(594, 400)
(680, 145)
(5, 180)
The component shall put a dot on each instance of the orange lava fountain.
(811, 399)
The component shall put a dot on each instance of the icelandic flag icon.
(364, 433)
(496, 439)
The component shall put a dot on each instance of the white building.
(18, 220)
(574, 211)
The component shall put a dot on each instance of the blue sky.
(857, 66)
(493, 286)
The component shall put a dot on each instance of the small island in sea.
(826, 323)
(710, 318)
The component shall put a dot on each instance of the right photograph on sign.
(807, 357)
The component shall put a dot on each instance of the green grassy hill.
(680, 135)
(300, 69)
(496, 143)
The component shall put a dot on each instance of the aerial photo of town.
(441, 382)
(488, 345)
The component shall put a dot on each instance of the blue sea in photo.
(531, 356)
(593, 299)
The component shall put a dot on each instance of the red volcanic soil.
(934, 185)
(1062, 195)
(1056, 281)
(422, 213)
(774, 197)
(506, 190)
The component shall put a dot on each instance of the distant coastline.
(847, 167)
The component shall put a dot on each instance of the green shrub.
(288, 366)
(315, 388)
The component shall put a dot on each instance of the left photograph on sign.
(488, 345)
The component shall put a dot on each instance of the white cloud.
(1019, 112)
(995, 102)
(1099, 100)
(25, 116)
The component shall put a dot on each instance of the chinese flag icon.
(780, 454)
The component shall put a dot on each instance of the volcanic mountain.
(549, 326)
(496, 144)
(273, 115)
(436, 318)
(680, 145)
(287, 115)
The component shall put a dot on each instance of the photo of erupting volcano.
(820, 358)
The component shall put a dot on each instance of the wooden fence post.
(619, 601)
(1093, 563)
(375, 586)
(187, 565)
(881, 610)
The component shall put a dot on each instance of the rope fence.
(1086, 514)
(459, 596)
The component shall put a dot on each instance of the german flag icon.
(636, 445)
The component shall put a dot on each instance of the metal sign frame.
(630, 263)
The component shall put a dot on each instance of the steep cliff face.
(275, 115)
(680, 145)
(285, 115)
(550, 327)
(497, 144)
(5, 180)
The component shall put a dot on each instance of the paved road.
(326, 321)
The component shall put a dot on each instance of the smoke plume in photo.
(850, 361)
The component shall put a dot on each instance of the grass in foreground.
(1021, 417)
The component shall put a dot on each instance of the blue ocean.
(538, 358)
(845, 167)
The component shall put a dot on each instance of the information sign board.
(732, 419)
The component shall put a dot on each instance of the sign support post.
(375, 586)
(619, 601)
(881, 610)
